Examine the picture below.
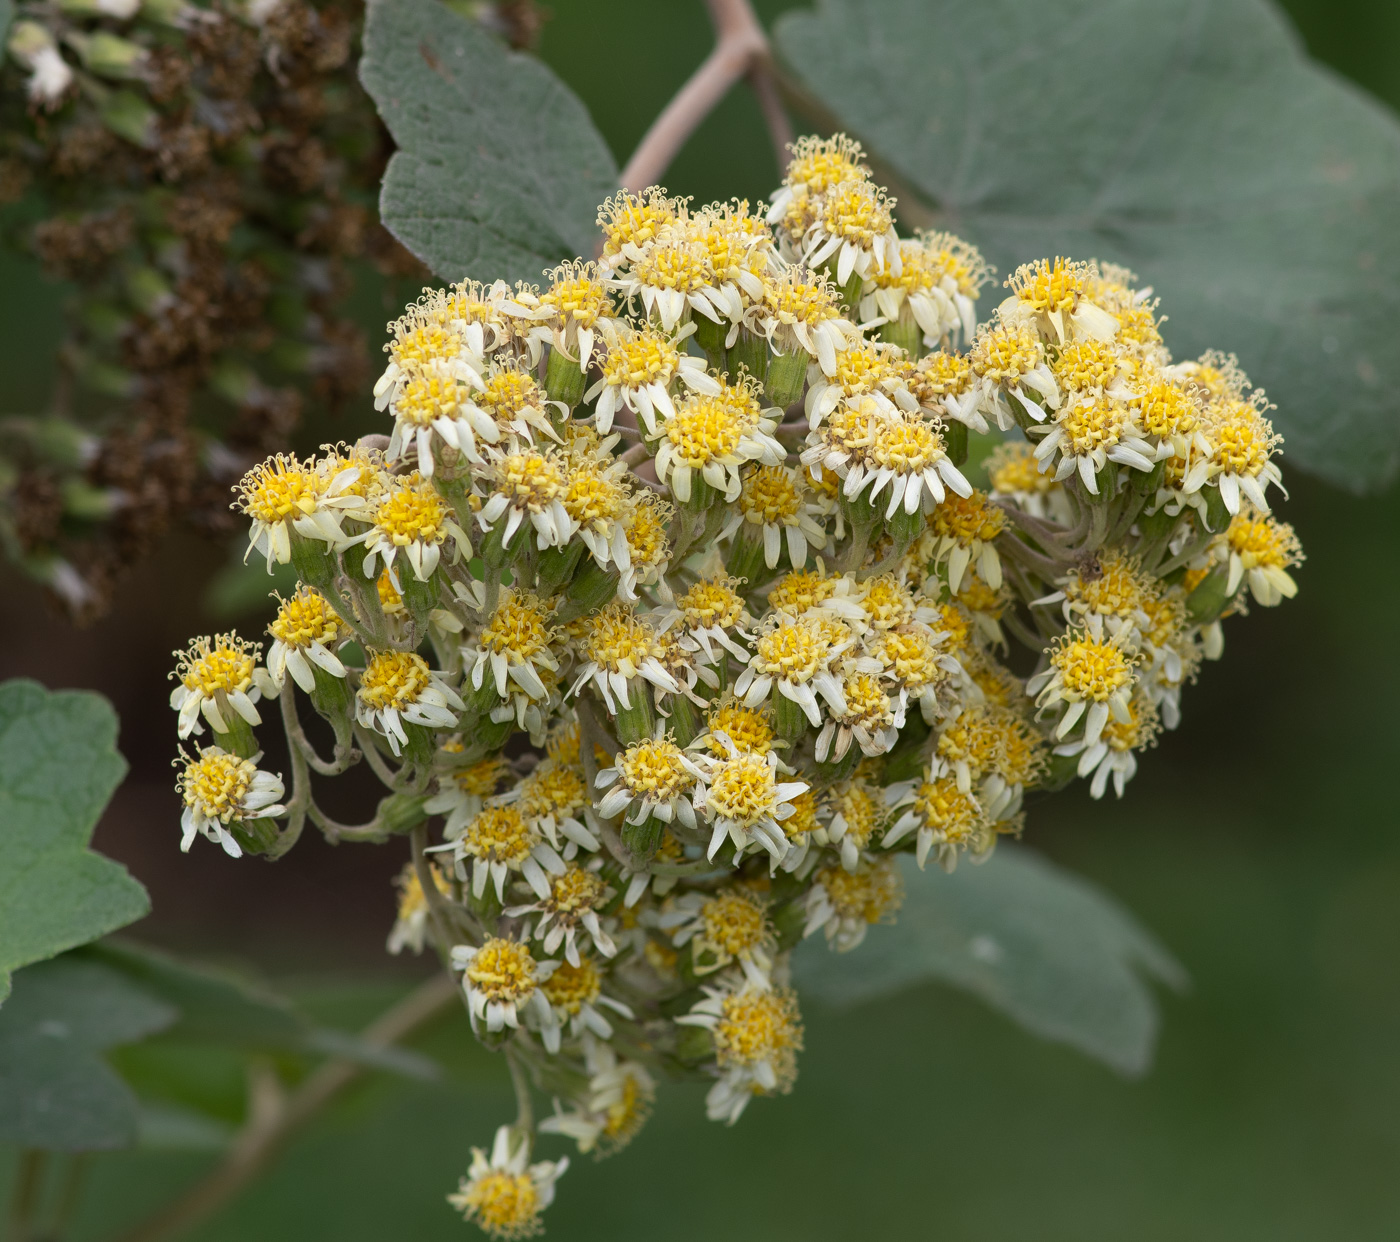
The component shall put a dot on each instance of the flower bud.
(563, 378)
(787, 374)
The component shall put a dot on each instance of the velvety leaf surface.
(1191, 140)
(1033, 940)
(499, 170)
(55, 1090)
(58, 767)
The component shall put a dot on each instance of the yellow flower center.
(425, 343)
(617, 636)
(554, 789)
(654, 767)
(791, 300)
(743, 790)
(500, 834)
(1091, 669)
(1006, 353)
(412, 513)
(709, 428)
(800, 590)
(943, 374)
(635, 219)
(1049, 287)
(906, 444)
(1167, 410)
(1095, 423)
(307, 618)
(761, 1026)
(911, 656)
(224, 662)
(863, 368)
(508, 392)
(1139, 732)
(389, 598)
(519, 629)
(804, 816)
(1112, 587)
(886, 602)
(579, 299)
(820, 163)
(734, 923)
(863, 811)
(1087, 366)
(279, 488)
(430, 394)
(590, 497)
(394, 679)
(968, 518)
(1243, 439)
(530, 480)
(710, 602)
(951, 814)
(973, 739)
(770, 495)
(563, 745)
(1013, 470)
(571, 987)
(674, 263)
(624, 1117)
(483, 777)
(505, 1205)
(646, 358)
(1261, 541)
(648, 538)
(866, 699)
(871, 895)
(797, 651)
(215, 784)
(747, 727)
(856, 211)
(575, 892)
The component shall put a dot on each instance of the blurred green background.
(1259, 842)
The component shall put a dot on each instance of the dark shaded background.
(1259, 841)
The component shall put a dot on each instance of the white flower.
(398, 688)
(220, 789)
(506, 1194)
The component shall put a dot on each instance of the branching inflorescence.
(669, 616)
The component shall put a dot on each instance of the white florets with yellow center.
(220, 679)
(305, 634)
(397, 688)
(757, 1034)
(504, 1193)
(653, 777)
(744, 801)
(220, 789)
(711, 436)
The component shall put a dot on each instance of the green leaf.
(1191, 140)
(58, 767)
(222, 1008)
(55, 1091)
(243, 586)
(499, 170)
(1042, 945)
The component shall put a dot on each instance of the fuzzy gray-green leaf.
(1042, 945)
(55, 1090)
(1191, 140)
(499, 170)
(58, 767)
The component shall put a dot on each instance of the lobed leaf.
(499, 170)
(55, 1090)
(1039, 943)
(1191, 140)
(58, 767)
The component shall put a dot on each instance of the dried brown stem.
(274, 1120)
(741, 50)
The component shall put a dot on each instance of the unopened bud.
(787, 374)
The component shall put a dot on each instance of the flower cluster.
(671, 616)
